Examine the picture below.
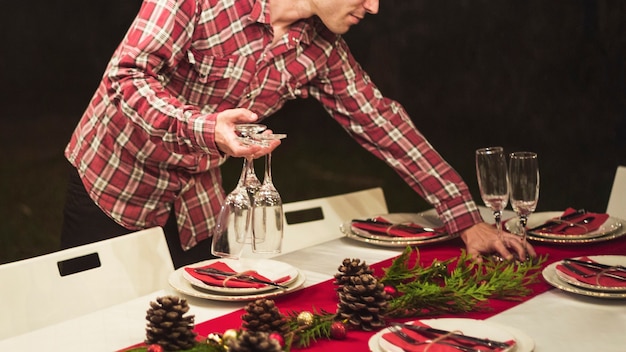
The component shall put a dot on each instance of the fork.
(398, 331)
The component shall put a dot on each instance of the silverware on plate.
(397, 330)
(558, 221)
(236, 275)
(598, 272)
(438, 332)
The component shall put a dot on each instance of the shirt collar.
(302, 30)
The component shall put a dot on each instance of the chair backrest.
(323, 217)
(617, 199)
(44, 290)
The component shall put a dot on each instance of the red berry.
(155, 348)
(338, 330)
(278, 337)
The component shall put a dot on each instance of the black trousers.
(84, 222)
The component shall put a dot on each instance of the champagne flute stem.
(523, 219)
(497, 215)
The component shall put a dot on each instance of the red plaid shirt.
(146, 141)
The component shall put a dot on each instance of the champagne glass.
(493, 181)
(233, 221)
(233, 226)
(524, 175)
(267, 218)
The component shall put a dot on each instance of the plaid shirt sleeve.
(157, 42)
(383, 127)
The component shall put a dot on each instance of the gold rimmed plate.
(377, 239)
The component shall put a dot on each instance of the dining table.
(555, 319)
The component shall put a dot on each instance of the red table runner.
(323, 296)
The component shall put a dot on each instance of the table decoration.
(367, 302)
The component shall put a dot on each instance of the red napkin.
(596, 280)
(233, 283)
(573, 227)
(381, 226)
(434, 347)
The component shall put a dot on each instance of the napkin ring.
(441, 337)
(236, 276)
(398, 225)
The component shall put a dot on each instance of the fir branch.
(434, 290)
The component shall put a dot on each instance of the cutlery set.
(238, 276)
(598, 269)
(441, 335)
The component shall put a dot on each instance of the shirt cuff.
(201, 132)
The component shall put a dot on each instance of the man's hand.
(226, 137)
(482, 238)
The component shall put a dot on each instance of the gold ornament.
(305, 318)
(230, 334)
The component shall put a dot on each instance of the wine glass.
(524, 178)
(267, 216)
(493, 181)
(233, 221)
(233, 228)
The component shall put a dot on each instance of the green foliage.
(304, 335)
(435, 289)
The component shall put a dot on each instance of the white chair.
(37, 292)
(617, 199)
(323, 217)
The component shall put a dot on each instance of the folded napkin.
(594, 280)
(229, 282)
(434, 347)
(380, 226)
(578, 225)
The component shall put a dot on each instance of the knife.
(477, 340)
(238, 276)
(384, 226)
(558, 221)
(578, 272)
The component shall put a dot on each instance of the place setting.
(251, 216)
(450, 335)
(397, 229)
(602, 276)
(571, 227)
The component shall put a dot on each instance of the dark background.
(544, 76)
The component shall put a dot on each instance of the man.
(147, 150)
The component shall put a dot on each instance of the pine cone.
(350, 268)
(362, 302)
(167, 325)
(253, 341)
(263, 315)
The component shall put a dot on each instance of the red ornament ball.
(390, 290)
(278, 337)
(338, 330)
(155, 348)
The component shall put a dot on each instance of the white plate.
(473, 327)
(183, 286)
(271, 269)
(612, 228)
(425, 220)
(602, 259)
(550, 275)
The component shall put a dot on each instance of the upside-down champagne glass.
(234, 221)
(267, 217)
(524, 179)
(493, 181)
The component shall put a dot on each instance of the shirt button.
(248, 95)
